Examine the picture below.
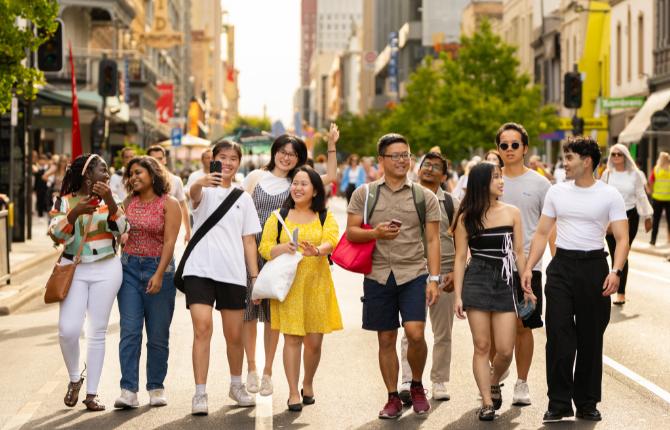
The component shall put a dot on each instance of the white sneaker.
(241, 396)
(126, 400)
(521, 393)
(253, 385)
(266, 385)
(157, 397)
(199, 405)
(440, 391)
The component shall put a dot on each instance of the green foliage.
(458, 104)
(259, 123)
(358, 134)
(17, 42)
(118, 159)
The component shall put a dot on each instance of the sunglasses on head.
(505, 146)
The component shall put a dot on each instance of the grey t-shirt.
(527, 192)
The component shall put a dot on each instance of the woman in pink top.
(147, 293)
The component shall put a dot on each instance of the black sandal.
(307, 400)
(296, 407)
(486, 413)
(496, 396)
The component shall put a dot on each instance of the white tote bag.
(277, 275)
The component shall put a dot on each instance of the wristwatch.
(433, 278)
(618, 272)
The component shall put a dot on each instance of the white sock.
(200, 388)
(235, 381)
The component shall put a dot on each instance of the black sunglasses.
(505, 146)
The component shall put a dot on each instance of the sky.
(267, 55)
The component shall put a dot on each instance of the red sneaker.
(392, 409)
(419, 400)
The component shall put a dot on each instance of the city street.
(348, 386)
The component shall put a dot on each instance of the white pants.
(91, 295)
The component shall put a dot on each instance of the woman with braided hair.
(87, 212)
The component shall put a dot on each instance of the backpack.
(284, 213)
(417, 195)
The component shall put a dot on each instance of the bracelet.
(332, 150)
(318, 252)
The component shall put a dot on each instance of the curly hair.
(160, 178)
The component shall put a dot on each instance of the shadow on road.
(617, 315)
(6, 335)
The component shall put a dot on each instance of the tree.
(358, 134)
(17, 41)
(459, 103)
(259, 123)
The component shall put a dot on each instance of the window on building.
(640, 45)
(618, 54)
(629, 48)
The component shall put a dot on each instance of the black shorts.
(219, 295)
(382, 304)
(535, 320)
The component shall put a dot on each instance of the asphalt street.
(348, 387)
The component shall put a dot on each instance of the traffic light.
(577, 126)
(97, 134)
(108, 78)
(572, 85)
(50, 53)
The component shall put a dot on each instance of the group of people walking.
(434, 255)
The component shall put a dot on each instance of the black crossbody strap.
(210, 222)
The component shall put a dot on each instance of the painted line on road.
(643, 273)
(640, 380)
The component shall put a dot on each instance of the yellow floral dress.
(311, 305)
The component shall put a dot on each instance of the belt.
(581, 255)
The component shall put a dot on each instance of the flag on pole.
(76, 134)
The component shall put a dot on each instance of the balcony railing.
(662, 61)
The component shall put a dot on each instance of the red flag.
(76, 134)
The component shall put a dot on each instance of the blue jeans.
(136, 307)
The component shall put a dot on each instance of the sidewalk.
(641, 242)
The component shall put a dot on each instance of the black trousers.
(349, 191)
(577, 315)
(659, 206)
(633, 223)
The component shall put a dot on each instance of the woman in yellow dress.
(310, 308)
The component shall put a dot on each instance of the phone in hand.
(215, 166)
(95, 200)
(396, 223)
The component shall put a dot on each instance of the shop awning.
(635, 129)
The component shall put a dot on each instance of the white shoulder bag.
(277, 275)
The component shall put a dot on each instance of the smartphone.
(396, 223)
(215, 166)
(95, 201)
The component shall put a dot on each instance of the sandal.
(72, 396)
(486, 413)
(94, 404)
(307, 400)
(496, 396)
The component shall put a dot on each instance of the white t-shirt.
(270, 183)
(117, 185)
(192, 178)
(629, 183)
(177, 189)
(353, 174)
(220, 253)
(582, 214)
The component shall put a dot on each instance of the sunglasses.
(616, 154)
(505, 146)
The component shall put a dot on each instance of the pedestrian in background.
(215, 274)
(535, 163)
(147, 294)
(493, 233)
(622, 173)
(116, 182)
(205, 160)
(398, 283)
(578, 283)
(659, 182)
(310, 309)
(354, 176)
(176, 188)
(54, 177)
(269, 188)
(493, 156)
(97, 279)
(40, 185)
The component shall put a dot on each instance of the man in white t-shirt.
(579, 282)
(205, 159)
(525, 189)
(116, 182)
(215, 274)
(176, 189)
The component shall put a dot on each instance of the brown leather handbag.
(61, 277)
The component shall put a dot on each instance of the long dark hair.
(74, 177)
(160, 178)
(319, 201)
(477, 198)
(298, 146)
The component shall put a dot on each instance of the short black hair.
(224, 144)
(319, 201)
(584, 146)
(287, 139)
(436, 156)
(512, 126)
(389, 139)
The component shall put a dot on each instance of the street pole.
(12, 141)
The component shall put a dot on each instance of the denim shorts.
(384, 303)
(484, 288)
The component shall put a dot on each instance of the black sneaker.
(589, 414)
(486, 413)
(556, 416)
(404, 394)
(496, 396)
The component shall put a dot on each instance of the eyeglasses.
(291, 155)
(398, 156)
(432, 167)
(505, 146)
(616, 154)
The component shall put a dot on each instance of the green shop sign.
(621, 102)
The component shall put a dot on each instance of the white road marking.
(640, 380)
(663, 279)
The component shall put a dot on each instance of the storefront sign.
(165, 103)
(589, 123)
(621, 102)
(51, 110)
(660, 120)
(161, 35)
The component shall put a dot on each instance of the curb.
(647, 250)
(24, 294)
(31, 262)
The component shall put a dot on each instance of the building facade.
(477, 11)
